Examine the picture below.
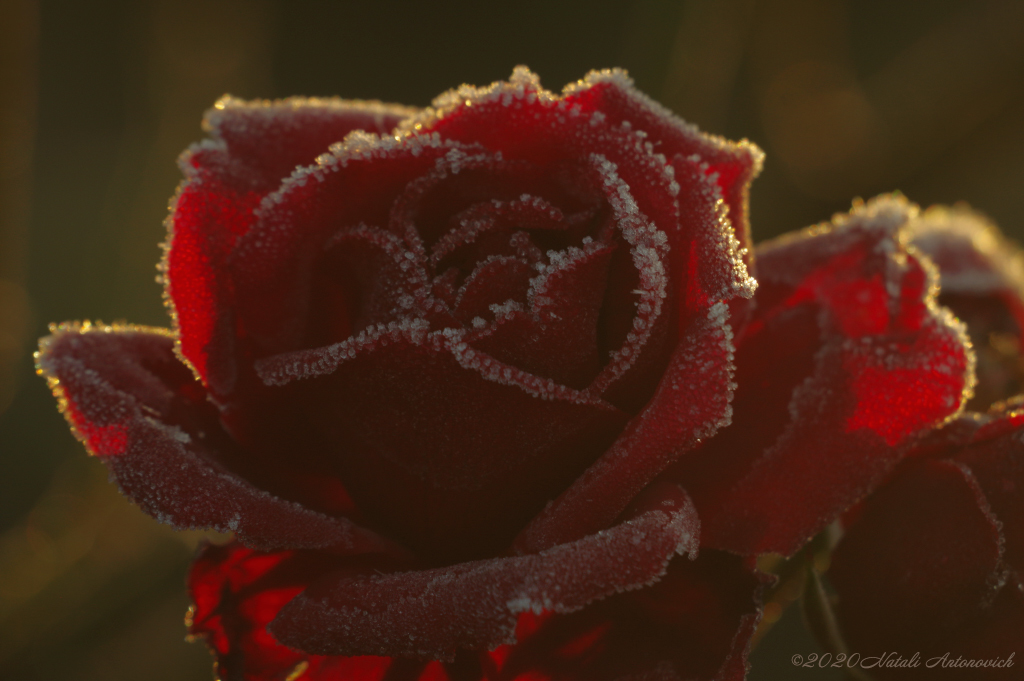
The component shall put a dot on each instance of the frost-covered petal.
(695, 623)
(845, 359)
(982, 276)
(366, 277)
(708, 261)
(996, 459)
(237, 591)
(448, 448)
(269, 139)
(555, 335)
(922, 558)
(485, 220)
(272, 268)
(730, 165)
(691, 403)
(252, 147)
(497, 280)
(430, 614)
(142, 413)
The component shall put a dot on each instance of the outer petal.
(845, 360)
(237, 591)
(431, 614)
(252, 147)
(894, 587)
(694, 624)
(692, 400)
(139, 409)
(983, 284)
(431, 436)
(931, 561)
(996, 458)
(731, 165)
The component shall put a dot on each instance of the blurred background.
(98, 97)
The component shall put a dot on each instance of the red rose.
(933, 561)
(455, 385)
(983, 284)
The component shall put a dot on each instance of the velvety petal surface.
(252, 147)
(730, 165)
(431, 614)
(141, 411)
(894, 587)
(694, 390)
(932, 560)
(695, 623)
(982, 276)
(845, 359)
(449, 449)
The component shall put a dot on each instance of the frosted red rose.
(933, 561)
(466, 377)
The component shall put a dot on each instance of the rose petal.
(472, 462)
(845, 359)
(271, 138)
(482, 219)
(237, 592)
(997, 461)
(983, 284)
(272, 266)
(694, 623)
(731, 165)
(691, 403)
(252, 146)
(557, 337)
(496, 280)
(923, 557)
(708, 262)
(140, 411)
(365, 278)
(430, 614)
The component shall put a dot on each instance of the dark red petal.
(270, 139)
(495, 281)
(365, 278)
(432, 613)
(694, 624)
(731, 165)
(207, 217)
(139, 410)
(237, 592)
(923, 558)
(254, 146)
(555, 336)
(272, 267)
(997, 461)
(983, 284)
(482, 219)
(450, 449)
(708, 267)
(691, 403)
(845, 359)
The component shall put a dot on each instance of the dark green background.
(97, 98)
